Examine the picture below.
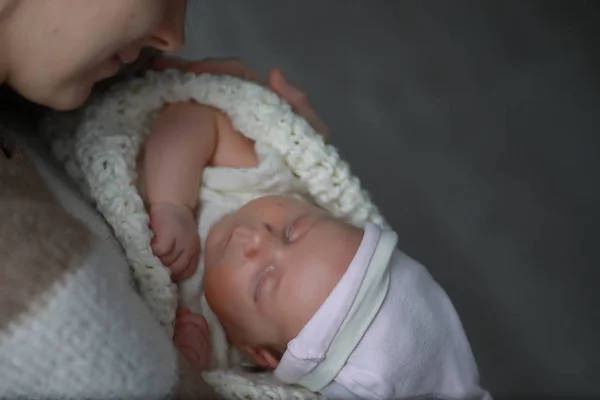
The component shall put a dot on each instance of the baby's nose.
(253, 239)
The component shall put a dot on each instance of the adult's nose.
(169, 36)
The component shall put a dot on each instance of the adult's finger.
(226, 66)
(297, 99)
(236, 67)
(219, 66)
(161, 62)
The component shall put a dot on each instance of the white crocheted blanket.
(99, 147)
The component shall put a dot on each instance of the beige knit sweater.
(71, 325)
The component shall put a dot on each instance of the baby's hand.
(176, 242)
(192, 338)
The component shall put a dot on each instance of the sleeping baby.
(326, 305)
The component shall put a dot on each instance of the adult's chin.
(60, 98)
(67, 99)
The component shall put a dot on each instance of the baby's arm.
(181, 143)
(186, 138)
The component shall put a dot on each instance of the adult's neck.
(7, 9)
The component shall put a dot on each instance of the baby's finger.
(181, 312)
(191, 267)
(200, 348)
(170, 259)
(189, 352)
(188, 338)
(162, 245)
(186, 331)
(195, 320)
(179, 264)
(196, 324)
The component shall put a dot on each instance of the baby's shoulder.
(233, 148)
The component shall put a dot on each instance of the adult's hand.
(276, 81)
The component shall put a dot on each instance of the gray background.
(475, 126)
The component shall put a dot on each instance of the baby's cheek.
(221, 294)
(209, 287)
(311, 286)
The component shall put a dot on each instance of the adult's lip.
(110, 67)
(128, 55)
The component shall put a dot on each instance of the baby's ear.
(262, 356)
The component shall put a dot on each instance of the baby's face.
(270, 266)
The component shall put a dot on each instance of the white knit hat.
(387, 330)
(345, 315)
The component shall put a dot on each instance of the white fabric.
(367, 302)
(311, 349)
(83, 342)
(415, 346)
(90, 336)
(108, 138)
